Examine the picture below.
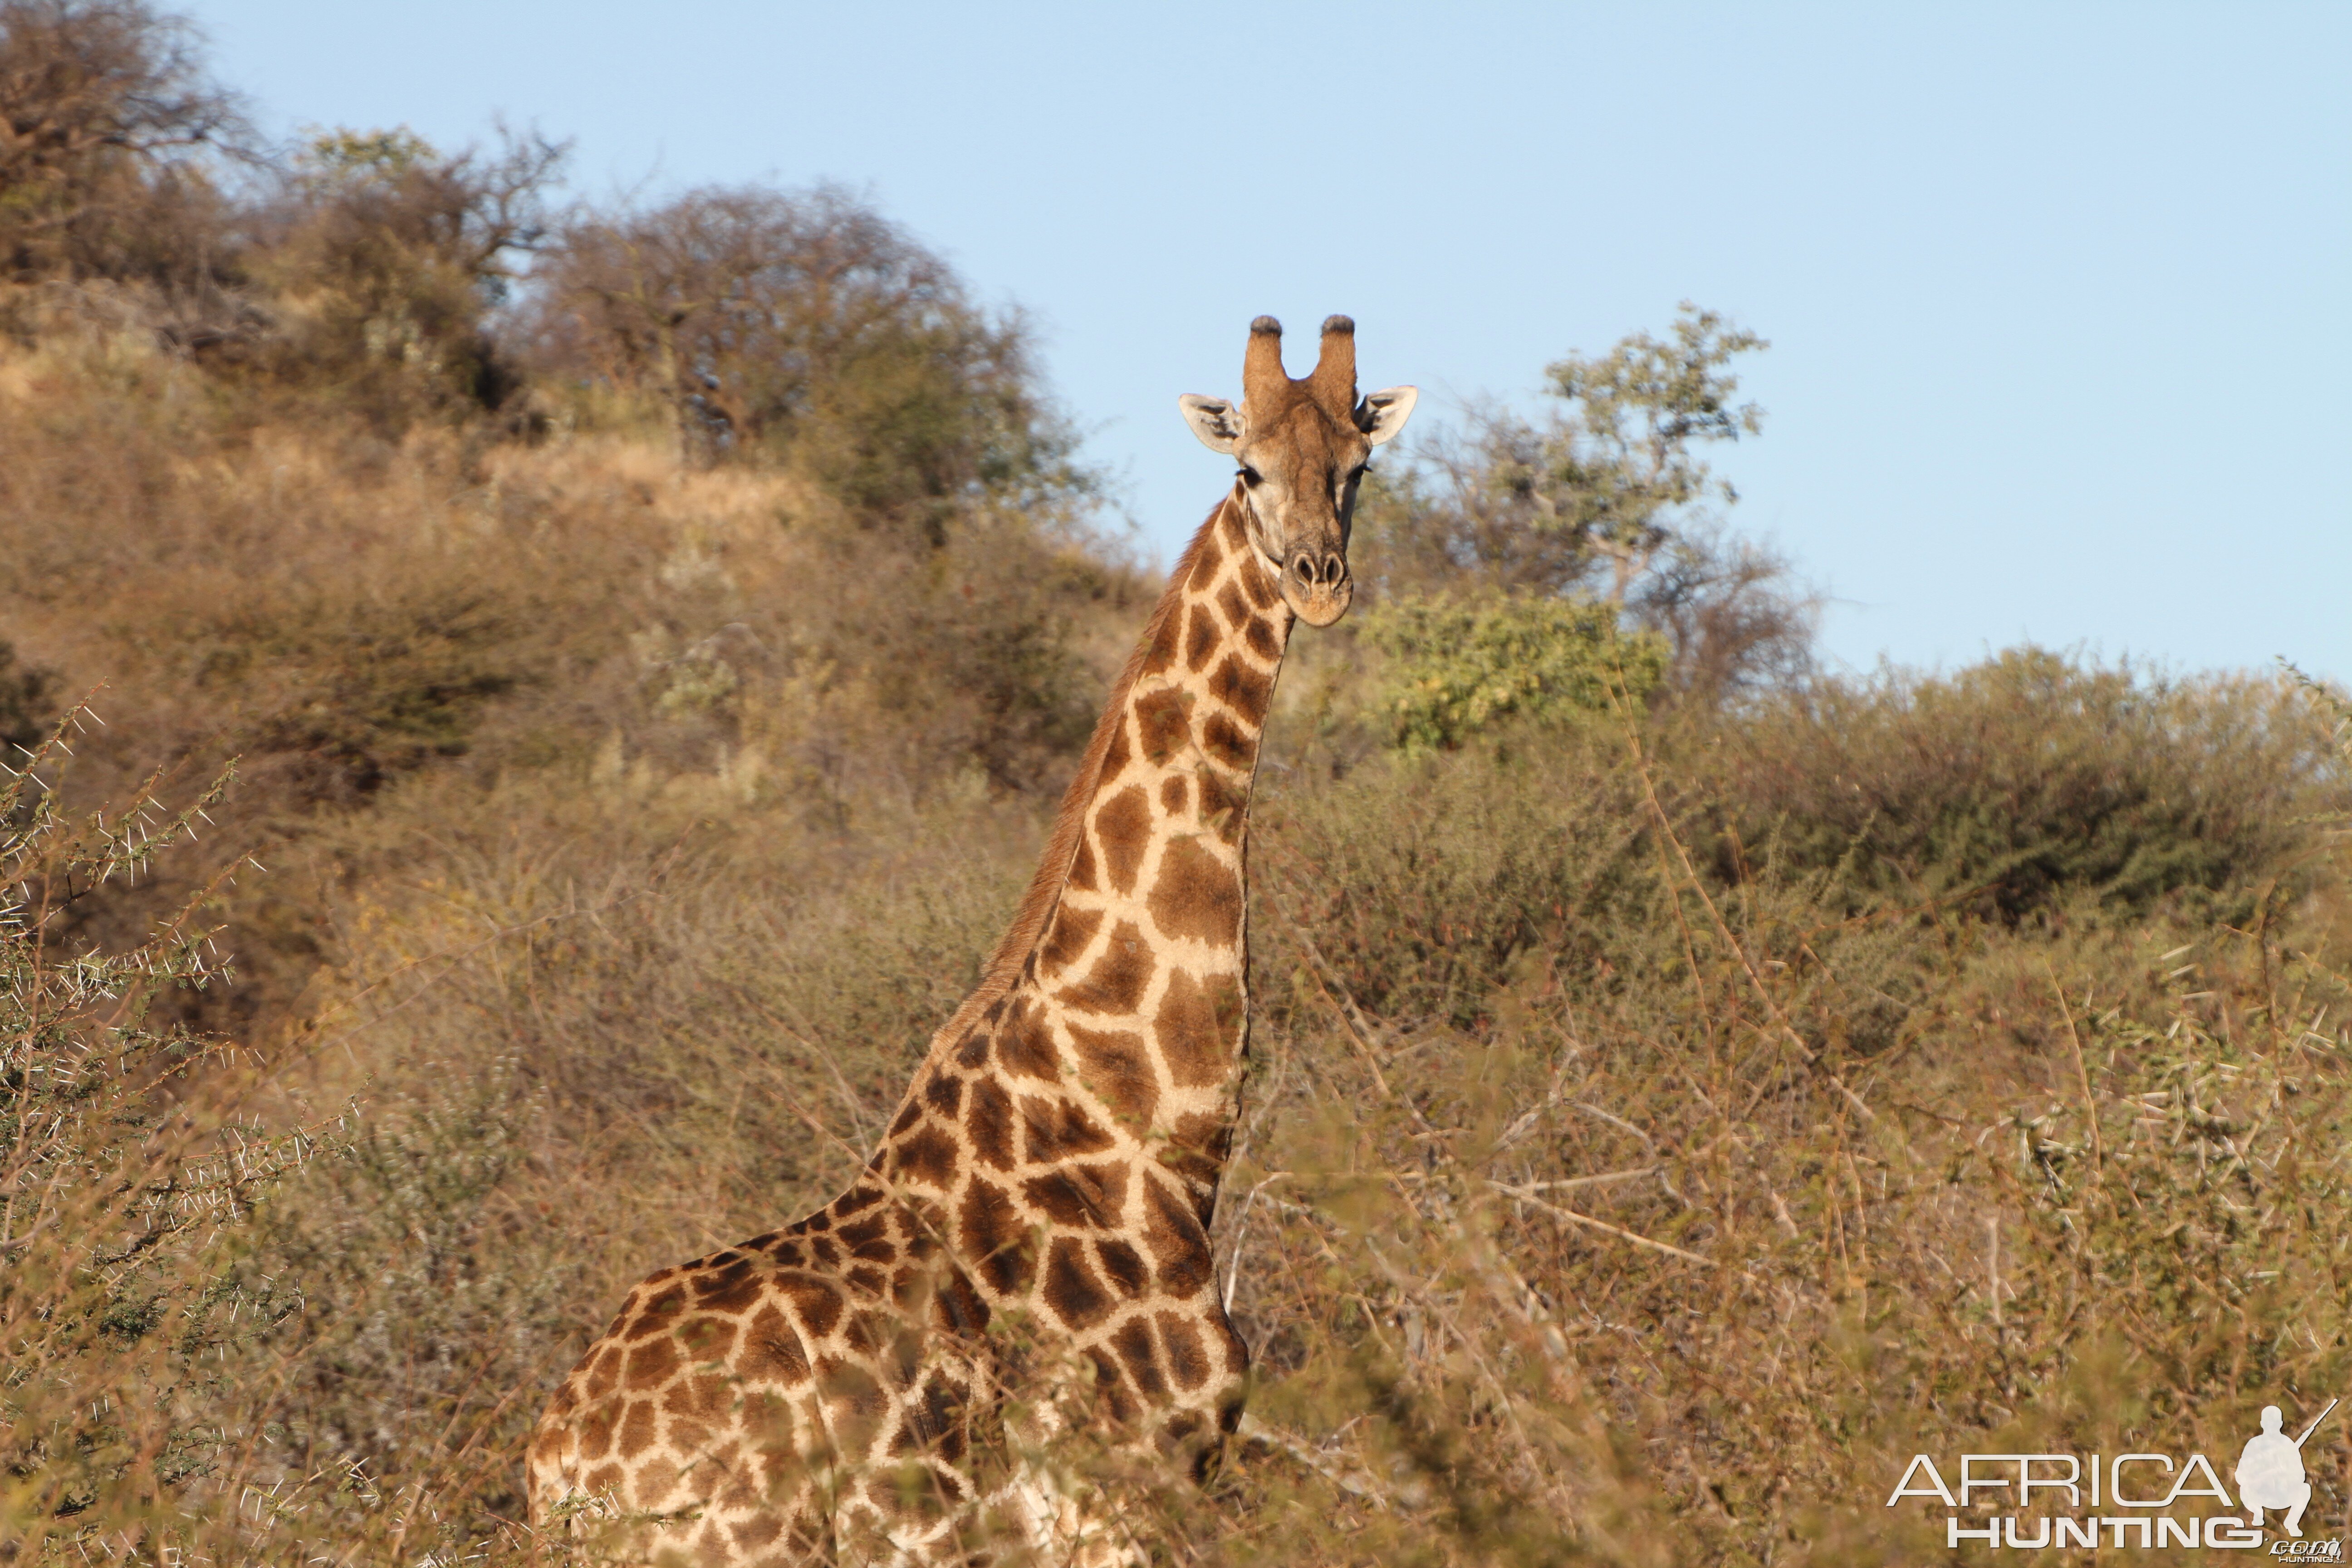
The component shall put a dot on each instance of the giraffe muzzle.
(1317, 587)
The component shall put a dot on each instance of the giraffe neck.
(1121, 989)
(1149, 934)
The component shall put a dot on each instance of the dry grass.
(1599, 1237)
(1568, 1222)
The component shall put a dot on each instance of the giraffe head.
(1302, 447)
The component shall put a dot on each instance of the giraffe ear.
(1216, 422)
(1382, 413)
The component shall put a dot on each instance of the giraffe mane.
(1070, 823)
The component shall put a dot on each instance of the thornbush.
(131, 1172)
(2019, 783)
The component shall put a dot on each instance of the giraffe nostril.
(1318, 571)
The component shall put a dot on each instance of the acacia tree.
(105, 116)
(387, 256)
(770, 323)
(1608, 499)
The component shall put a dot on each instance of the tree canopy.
(104, 106)
(1609, 500)
(777, 322)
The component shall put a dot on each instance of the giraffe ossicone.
(1027, 1255)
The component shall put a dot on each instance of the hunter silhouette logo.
(2270, 1472)
(2147, 1501)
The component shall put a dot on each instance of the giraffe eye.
(1250, 475)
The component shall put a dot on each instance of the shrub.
(1456, 666)
(1571, 1249)
(26, 691)
(124, 1319)
(2018, 782)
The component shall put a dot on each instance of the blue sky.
(2057, 293)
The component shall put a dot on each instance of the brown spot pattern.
(868, 1238)
(1132, 1340)
(1123, 1267)
(1222, 807)
(1193, 1036)
(1258, 583)
(1024, 1044)
(732, 1289)
(706, 1338)
(1116, 981)
(1196, 895)
(1159, 653)
(1116, 1066)
(1178, 1246)
(651, 1363)
(1068, 938)
(1115, 756)
(1207, 557)
(818, 1304)
(1112, 1396)
(1262, 639)
(993, 1235)
(660, 1313)
(637, 1433)
(1232, 530)
(1123, 827)
(1188, 1361)
(1229, 742)
(989, 1124)
(1059, 1129)
(1196, 1148)
(1080, 1196)
(772, 1354)
(959, 1306)
(944, 1094)
(1071, 1287)
(1241, 688)
(1200, 637)
(929, 1158)
(1163, 726)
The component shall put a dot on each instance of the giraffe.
(1027, 1252)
